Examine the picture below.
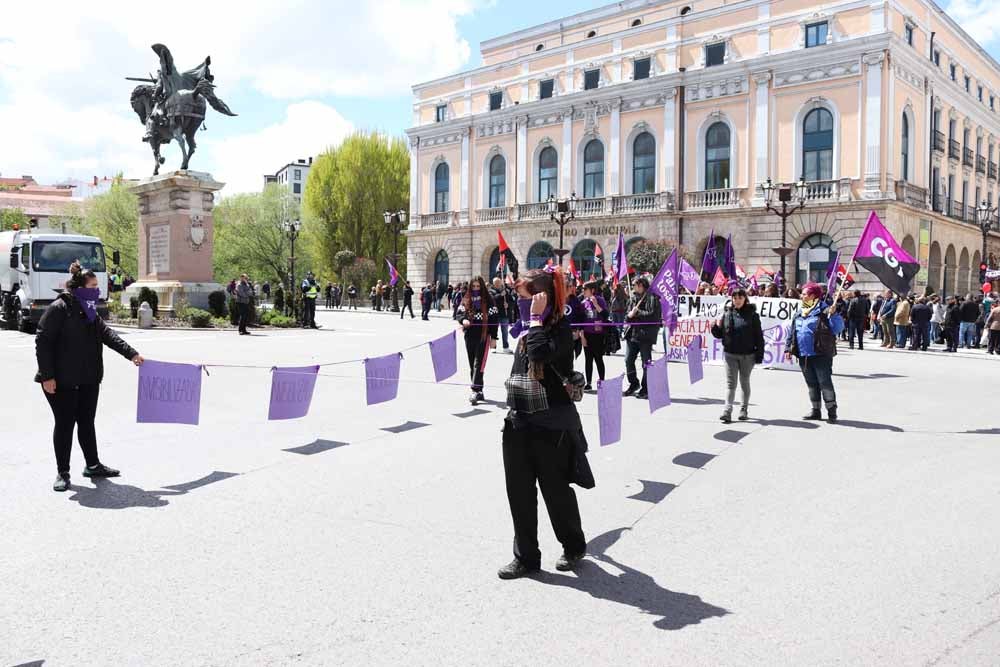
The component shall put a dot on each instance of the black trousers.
(951, 337)
(476, 349)
(425, 311)
(74, 406)
(637, 349)
(243, 309)
(593, 354)
(531, 455)
(406, 304)
(308, 312)
(994, 342)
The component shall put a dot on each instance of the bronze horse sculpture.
(173, 108)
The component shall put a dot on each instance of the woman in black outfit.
(595, 315)
(68, 347)
(743, 342)
(479, 317)
(543, 439)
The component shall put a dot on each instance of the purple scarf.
(87, 298)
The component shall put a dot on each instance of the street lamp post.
(396, 221)
(786, 194)
(561, 212)
(985, 216)
(292, 228)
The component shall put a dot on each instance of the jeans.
(967, 334)
(935, 332)
(876, 330)
(504, 325)
(537, 454)
(856, 327)
(902, 333)
(74, 406)
(738, 366)
(818, 374)
(636, 349)
(921, 336)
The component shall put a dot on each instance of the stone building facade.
(664, 117)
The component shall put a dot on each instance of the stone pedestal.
(176, 238)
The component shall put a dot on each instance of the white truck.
(34, 268)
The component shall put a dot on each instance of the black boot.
(831, 415)
(568, 562)
(515, 570)
(814, 415)
(100, 470)
(632, 388)
(62, 482)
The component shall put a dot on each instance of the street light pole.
(985, 215)
(561, 212)
(292, 227)
(785, 195)
(396, 220)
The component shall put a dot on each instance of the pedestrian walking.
(595, 316)
(952, 324)
(328, 294)
(858, 314)
(265, 289)
(478, 317)
(937, 319)
(742, 337)
(69, 351)
(243, 296)
(543, 440)
(501, 299)
(643, 320)
(407, 300)
(426, 301)
(993, 325)
(812, 339)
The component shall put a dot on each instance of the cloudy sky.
(300, 73)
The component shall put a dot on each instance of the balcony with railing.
(642, 203)
(938, 203)
(954, 150)
(536, 211)
(970, 214)
(911, 195)
(955, 209)
(992, 173)
(980, 164)
(828, 191)
(591, 207)
(440, 219)
(939, 141)
(494, 215)
(967, 156)
(709, 199)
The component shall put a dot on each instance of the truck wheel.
(21, 323)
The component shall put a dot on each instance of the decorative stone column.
(668, 146)
(873, 125)
(616, 147)
(761, 140)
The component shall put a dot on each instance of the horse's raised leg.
(184, 150)
(189, 134)
(156, 157)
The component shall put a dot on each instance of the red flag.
(844, 278)
(573, 271)
(503, 244)
(720, 278)
(597, 250)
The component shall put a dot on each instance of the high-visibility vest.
(116, 279)
(312, 292)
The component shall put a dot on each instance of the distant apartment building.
(44, 206)
(665, 117)
(293, 175)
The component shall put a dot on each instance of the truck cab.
(34, 268)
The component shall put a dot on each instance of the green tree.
(12, 216)
(362, 273)
(249, 237)
(348, 189)
(112, 216)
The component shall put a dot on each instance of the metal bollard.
(145, 316)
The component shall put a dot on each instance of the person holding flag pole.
(812, 339)
(479, 318)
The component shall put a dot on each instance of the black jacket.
(647, 318)
(921, 313)
(859, 308)
(970, 311)
(407, 294)
(953, 316)
(70, 349)
(741, 331)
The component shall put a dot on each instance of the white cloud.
(62, 64)
(242, 161)
(979, 18)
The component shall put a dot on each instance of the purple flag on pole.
(689, 277)
(659, 385)
(382, 378)
(444, 357)
(291, 392)
(664, 285)
(609, 409)
(393, 273)
(831, 275)
(729, 261)
(878, 252)
(621, 261)
(709, 263)
(695, 370)
(168, 393)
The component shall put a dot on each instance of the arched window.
(643, 164)
(548, 167)
(539, 254)
(905, 147)
(593, 169)
(813, 259)
(498, 182)
(584, 257)
(717, 153)
(441, 185)
(817, 145)
(441, 267)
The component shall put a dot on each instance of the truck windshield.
(56, 256)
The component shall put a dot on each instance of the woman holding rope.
(479, 318)
(68, 347)
(812, 339)
(543, 439)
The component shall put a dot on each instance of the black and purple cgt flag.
(878, 252)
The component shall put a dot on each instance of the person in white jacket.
(937, 318)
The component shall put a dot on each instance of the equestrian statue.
(173, 107)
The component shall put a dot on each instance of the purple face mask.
(88, 296)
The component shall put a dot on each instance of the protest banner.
(444, 357)
(609, 410)
(168, 393)
(382, 378)
(291, 392)
(658, 384)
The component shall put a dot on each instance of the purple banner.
(664, 285)
(609, 410)
(444, 356)
(695, 371)
(168, 393)
(291, 392)
(689, 277)
(382, 378)
(658, 384)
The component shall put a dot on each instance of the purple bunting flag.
(444, 356)
(291, 392)
(664, 285)
(382, 378)
(168, 393)
(658, 384)
(609, 410)
(689, 276)
(695, 370)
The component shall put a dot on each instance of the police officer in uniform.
(310, 292)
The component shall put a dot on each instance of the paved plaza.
(372, 535)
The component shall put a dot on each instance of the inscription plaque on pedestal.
(159, 249)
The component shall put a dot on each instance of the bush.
(182, 308)
(147, 295)
(198, 318)
(133, 304)
(217, 303)
(115, 307)
(363, 273)
(282, 321)
(220, 323)
(264, 315)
